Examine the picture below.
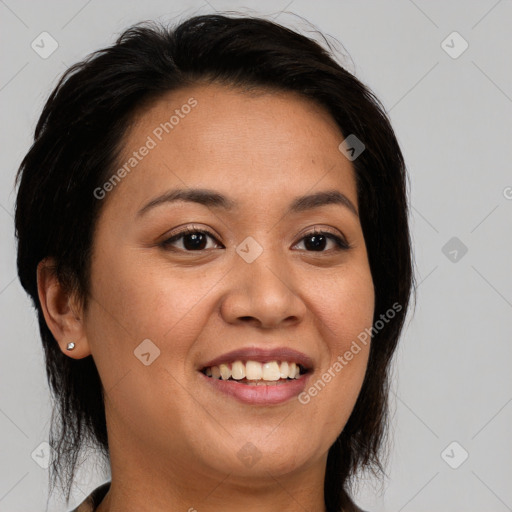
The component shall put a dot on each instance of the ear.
(61, 310)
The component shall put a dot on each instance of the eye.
(317, 241)
(191, 239)
(194, 239)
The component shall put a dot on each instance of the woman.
(212, 225)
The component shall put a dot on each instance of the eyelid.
(190, 228)
(320, 230)
(334, 235)
(337, 237)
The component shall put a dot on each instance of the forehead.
(262, 147)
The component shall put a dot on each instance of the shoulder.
(94, 499)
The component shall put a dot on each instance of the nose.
(264, 293)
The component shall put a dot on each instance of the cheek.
(132, 302)
(149, 301)
(344, 311)
(344, 307)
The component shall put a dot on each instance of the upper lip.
(262, 355)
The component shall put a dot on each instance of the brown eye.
(190, 239)
(318, 240)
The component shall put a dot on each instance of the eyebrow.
(213, 199)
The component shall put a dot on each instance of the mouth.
(258, 376)
(255, 373)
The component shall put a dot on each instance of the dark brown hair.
(76, 144)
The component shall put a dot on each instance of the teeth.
(253, 370)
(238, 370)
(225, 372)
(270, 371)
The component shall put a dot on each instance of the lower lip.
(259, 395)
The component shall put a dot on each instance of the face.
(199, 286)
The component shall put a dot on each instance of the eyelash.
(341, 245)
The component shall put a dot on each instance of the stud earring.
(70, 346)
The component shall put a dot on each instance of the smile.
(254, 373)
(257, 375)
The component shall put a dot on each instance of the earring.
(70, 346)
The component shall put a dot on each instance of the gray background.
(452, 117)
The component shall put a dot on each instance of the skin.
(173, 440)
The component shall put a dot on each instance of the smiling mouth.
(254, 373)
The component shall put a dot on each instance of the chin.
(264, 459)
